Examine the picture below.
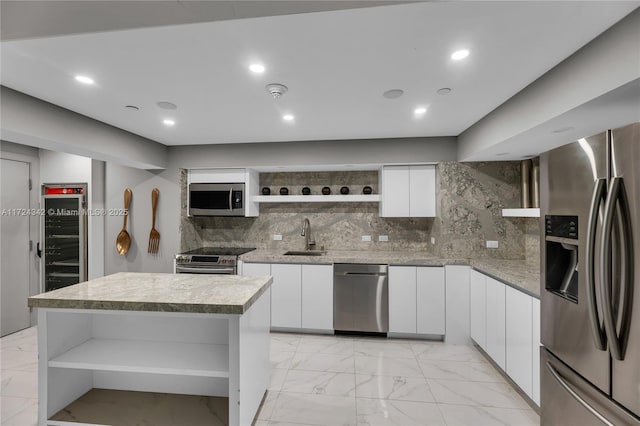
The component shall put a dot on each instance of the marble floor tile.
(383, 348)
(264, 413)
(281, 359)
(457, 370)
(320, 383)
(401, 413)
(326, 345)
(438, 351)
(24, 340)
(462, 415)
(282, 342)
(323, 362)
(19, 383)
(314, 409)
(500, 395)
(18, 360)
(383, 366)
(11, 406)
(393, 387)
(277, 378)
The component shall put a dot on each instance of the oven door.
(216, 199)
(205, 269)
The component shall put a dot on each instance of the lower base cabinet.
(519, 340)
(317, 297)
(416, 300)
(301, 295)
(505, 323)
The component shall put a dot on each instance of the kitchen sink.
(305, 253)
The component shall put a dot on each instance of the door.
(568, 399)
(430, 297)
(625, 164)
(496, 328)
(317, 297)
(395, 191)
(402, 299)
(14, 231)
(286, 296)
(478, 311)
(422, 191)
(570, 177)
(519, 330)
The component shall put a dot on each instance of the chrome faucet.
(309, 243)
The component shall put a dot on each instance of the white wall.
(59, 167)
(141, 182)
(30, 121)
(336, 152)
(608, 62)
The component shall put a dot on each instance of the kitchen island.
(193, 343)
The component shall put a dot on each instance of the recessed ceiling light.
(419, 110)
(132, 107)
(257, 68)
(288, 117)
(502, 154)
(84, 79)
(167, 105)
(563, 129)
(459, 54)
(168, 122)
(393, 93)
(444, 91)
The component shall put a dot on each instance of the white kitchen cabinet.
(402, 299)
(457, 304)
(535, 343)
(430, 297)
(416, 300)
(422, 191)
(478, 308)
(408, 191)
(286, 296)
(496, 339)
(519, 338)
(317, 297)
(256, 268)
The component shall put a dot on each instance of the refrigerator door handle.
(599, 336)
(616, 198)
(575, 395)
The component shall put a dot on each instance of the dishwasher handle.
(367, 274)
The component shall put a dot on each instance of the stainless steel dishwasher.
(360, 298)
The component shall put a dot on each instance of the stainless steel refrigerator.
(64, 234)
(590, 295)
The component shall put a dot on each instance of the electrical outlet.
(492, 244)
(277, 237)
(383, 238)
(433, 241)
(366, 238)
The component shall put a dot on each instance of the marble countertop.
(408, 258)
(520, 274)
(159, 292)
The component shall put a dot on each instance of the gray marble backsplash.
(470, 202)
(470, 199)
(336, 226)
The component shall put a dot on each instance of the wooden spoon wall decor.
(123, 241)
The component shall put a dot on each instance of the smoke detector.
(276, 90)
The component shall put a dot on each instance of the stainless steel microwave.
(216, 199)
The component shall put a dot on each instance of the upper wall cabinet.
(408, 191)
(249, 177)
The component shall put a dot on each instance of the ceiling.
(336, 64)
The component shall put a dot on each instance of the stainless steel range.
(210, 260)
